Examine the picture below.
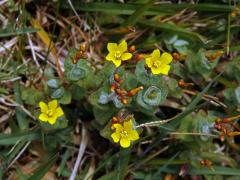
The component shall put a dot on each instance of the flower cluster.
(159, 64)
(226, 126)
(122, 94)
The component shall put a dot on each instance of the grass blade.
(10, 139)
(163, 9)
(43, 169)
(138, 13)
(174, 29)
(19, 31)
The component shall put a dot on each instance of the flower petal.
(52, 120)
(166, 58)
(125, 142)
(110, 57)
(156, 70)
(112, 47)
(156, 54)
(127, 125)
(164, 69)
(149, 62)
(43, 117)
(117, 62)
(43, 106)
(116, 137)
(53, 104)
(126, 56)
(118, 127)
(133, 135)
(122, 46)
(59, 112)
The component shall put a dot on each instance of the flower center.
(156, 64)
(124, 133)
(118, 54)
(50, 113)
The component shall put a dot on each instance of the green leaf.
(75, 74)
(31, 95)
(58, 93)
(154, 96)
(66, 98)
(103, 116)
(53, 83)
(122, 165)
(77, 92)
(105, 73)
(94, 97)
(198, 63)
(21, 115)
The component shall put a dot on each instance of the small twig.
(33, 53)
(154, 123)
(15, 104)
(19, 154)
(81, 151)
(193, 134)
(213, 100)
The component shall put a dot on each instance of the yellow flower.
(124, 133)
(117, 53)
(159, 64)
(50, 112)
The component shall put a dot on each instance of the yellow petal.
(43, 117)
(126, 56)
(59, 112)
(116, 137)
(166, 58)
(156, 70)
(52, 120)
(112, 47)
(118, 127)
(53, 104)
(43, 106)
(133, 135)
(116, 62)
(124, 142)
(110, 57)
(164, 69)
(156, 54)
(122, 46)
(127, 125)
(149, 62)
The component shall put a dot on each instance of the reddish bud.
(132, 49)
(176, 56)
(115, 120)
(138, 57)
(114, 86)
(183, 84)
(134, 91)
(124, 101)
(117, 78)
